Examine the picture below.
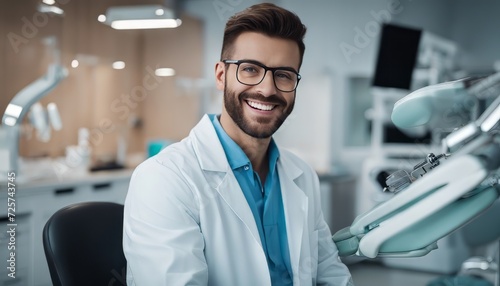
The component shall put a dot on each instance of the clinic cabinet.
(36, 201)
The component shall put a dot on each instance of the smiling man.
(226, 206)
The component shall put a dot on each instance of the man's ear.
(220, 75)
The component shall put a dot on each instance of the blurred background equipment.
(26, 100)
(442, 193)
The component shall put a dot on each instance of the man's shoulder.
(179, 153)
(289, 155)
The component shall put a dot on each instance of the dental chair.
(445, 191)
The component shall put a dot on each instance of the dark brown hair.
(268, 19)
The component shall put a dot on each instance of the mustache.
(272, 99)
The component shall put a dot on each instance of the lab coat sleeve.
(331, 270)
(162, 240)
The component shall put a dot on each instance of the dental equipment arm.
(19, 106)
(488, 123)
(436, 198)
(430, 105)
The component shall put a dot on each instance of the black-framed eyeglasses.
(251, 73)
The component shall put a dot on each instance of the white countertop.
(51, 173)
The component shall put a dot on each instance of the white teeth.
(260, 106)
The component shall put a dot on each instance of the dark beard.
(257, 129)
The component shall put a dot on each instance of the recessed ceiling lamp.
(164, 72)
(118, 65)
(75, 63)
(141, 17)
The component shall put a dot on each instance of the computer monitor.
(397, 56)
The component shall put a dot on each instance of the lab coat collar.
(209, 151)
(207, 147)
(234, 154)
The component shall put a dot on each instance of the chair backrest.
(83, 245)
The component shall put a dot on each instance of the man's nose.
(267, 86)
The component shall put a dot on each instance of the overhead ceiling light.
(141, 17)
(118, 65)
(164, 72)
(101, 18)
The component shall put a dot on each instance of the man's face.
(259, 110)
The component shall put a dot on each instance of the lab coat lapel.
(219, 175)
(295, 204)
(232, 194)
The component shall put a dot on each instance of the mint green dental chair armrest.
(347, 244)
(421, 238)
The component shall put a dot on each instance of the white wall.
(476, 28)
(332, 24)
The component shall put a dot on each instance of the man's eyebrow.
(288, 68)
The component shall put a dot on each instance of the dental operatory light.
(141, 17)
(164, 72)
(118, 65)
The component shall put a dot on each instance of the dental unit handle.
(487, 123)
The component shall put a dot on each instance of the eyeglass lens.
(252, 74)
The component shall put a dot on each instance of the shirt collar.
(273, 154)
(235, 155)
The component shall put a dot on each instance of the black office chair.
(83, 245)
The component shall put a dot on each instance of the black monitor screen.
(397, 56)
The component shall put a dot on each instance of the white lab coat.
(187, 221)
